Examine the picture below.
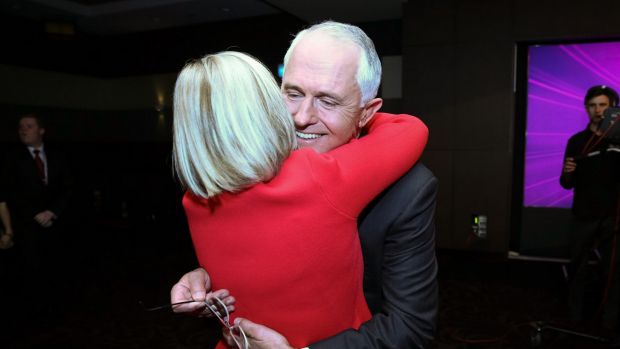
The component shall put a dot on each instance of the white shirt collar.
(41, 149)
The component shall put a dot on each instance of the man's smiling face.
(320, 89)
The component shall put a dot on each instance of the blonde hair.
(231, 126)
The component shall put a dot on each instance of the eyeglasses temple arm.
(165, 306)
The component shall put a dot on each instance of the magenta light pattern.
(558, 78)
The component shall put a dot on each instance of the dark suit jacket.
(27, 195)
(400, 270)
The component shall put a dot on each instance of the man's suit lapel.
(29, 167)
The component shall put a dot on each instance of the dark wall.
(95, 126)
(120, 160)
(26, 43)
(459, 75)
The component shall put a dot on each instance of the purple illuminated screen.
(558, 78)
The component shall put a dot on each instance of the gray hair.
(231, 126)
(369, 67)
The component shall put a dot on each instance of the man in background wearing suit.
(396, 230)
(38, 186)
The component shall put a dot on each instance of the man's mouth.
(307, 135)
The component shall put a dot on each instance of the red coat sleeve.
(351, 175)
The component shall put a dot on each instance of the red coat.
(288, 249)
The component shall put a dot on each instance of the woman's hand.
(196, 286)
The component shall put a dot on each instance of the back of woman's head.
(231, 126)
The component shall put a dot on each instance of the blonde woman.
(274, 225)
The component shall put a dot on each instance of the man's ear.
(369, 111)
(41, 131)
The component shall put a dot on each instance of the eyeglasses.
(219, 309)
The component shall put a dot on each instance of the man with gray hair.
(331, 78)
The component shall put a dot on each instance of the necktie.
(40, 165)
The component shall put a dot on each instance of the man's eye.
(293, 95)
(327, 103)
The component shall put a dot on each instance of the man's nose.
(306, 113)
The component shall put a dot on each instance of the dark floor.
(490, 302)
(92, 300)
